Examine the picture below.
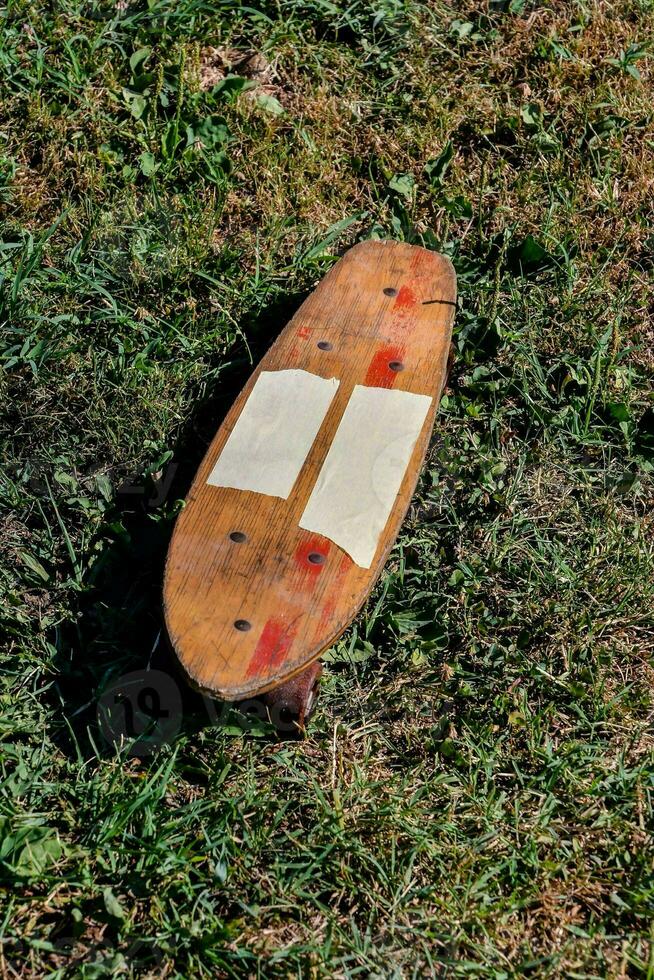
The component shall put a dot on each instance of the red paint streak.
(406, 298)
(416, 260)
(314, 545)
(405, 310)
(274, 643)
(331, 602)
(303, 333)
(379, 375)
(423, 262)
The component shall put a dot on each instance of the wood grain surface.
(382, 302)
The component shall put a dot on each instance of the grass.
(474, 796)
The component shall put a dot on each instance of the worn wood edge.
(255, 690)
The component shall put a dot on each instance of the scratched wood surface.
(382, 302)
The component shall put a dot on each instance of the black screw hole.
(238, 537)
(243, 625)
(325, 345)
(390, 291)
(396, 365)
(316, 558)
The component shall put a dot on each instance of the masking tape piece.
(272, 436)
(364, 468)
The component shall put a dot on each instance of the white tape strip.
(364, 468)
(272, 436)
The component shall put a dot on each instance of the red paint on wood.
(274, 643)
(303, 333)
(312, 546)
(421, 264)
(405, 310)
(328, 609)
(379, 374)
(406, 298)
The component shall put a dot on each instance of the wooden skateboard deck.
(303, 490)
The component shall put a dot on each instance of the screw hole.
(390, 291)
(396, 365)
(324, 345)
(316, 558)
(238, 537)
(243, 625)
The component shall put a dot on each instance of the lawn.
(474, 795)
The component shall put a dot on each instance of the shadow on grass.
(118, 679)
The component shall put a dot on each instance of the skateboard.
(302, 492)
